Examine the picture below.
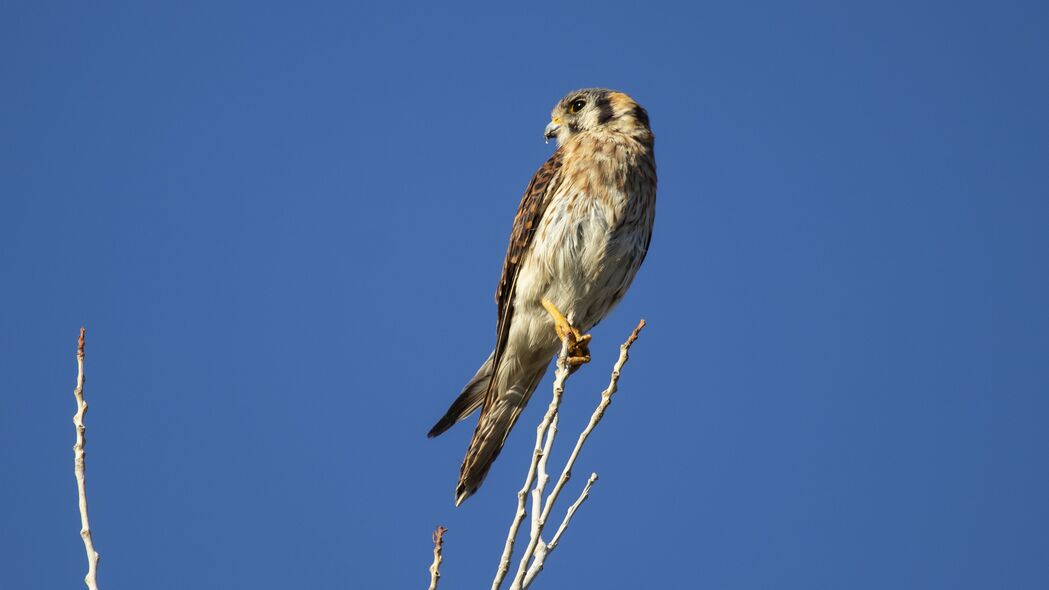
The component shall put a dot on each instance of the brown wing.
(488, 435)
(529, 213)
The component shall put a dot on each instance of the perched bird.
(579, 236)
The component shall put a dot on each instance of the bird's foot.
(578, 344)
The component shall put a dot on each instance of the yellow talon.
(561, 325)
(578, 344)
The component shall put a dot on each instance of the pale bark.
(79, 467)
(537, 550)
(435, 567)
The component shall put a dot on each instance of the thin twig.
(435, 567)
(535, 538)
(545, 549)
(606, 399)
(541, 475)
(551, 411)
(79, 467)
(571, 511)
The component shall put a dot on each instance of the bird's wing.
(494, 422)
(533, 205)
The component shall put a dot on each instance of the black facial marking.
(573, 127)
(604, 107)
(641, 115)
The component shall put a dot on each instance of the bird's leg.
(578, 344)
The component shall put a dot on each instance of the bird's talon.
(561, 325)
(564, 329)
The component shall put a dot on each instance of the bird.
(580, 234)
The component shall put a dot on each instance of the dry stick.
(544, 549)
(522, 579)
(568, 515)
(559, 385)
(435, 567)
(78, 466)
(541, 476)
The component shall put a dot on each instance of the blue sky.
(283, 226)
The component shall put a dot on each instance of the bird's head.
(595, 109)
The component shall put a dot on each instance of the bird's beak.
(551, 130)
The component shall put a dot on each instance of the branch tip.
(435, 567)
(79, 467)
(637, 332)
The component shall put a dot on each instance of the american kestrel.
(579, 236)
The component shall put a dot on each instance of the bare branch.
(79, 467)
(571, 511)
(535, 554)
(435, 567)
(606, 399)
(537, 455)
(535, 538)
(544, 549)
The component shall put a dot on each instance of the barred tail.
(497, 418)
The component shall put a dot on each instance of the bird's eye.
(577, 105)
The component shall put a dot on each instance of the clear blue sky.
(283, 226)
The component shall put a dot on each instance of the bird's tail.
(469, 400)
(513, 388)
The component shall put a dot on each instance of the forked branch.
(537, 550)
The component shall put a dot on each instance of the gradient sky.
(283, 225)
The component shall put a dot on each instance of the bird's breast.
(593, 235)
